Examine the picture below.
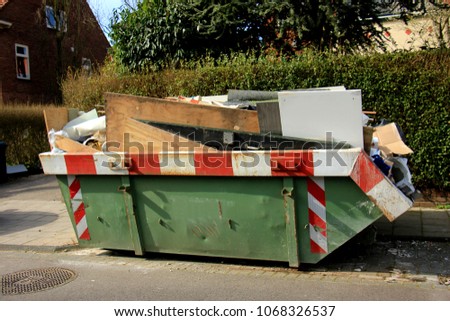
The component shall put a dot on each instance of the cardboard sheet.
(389, 140)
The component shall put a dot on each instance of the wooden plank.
(269, 117)
(120, 107)
(56, 118)
(72, 146)
(145, 139)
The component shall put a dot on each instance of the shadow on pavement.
(32, 187)
(12, 221)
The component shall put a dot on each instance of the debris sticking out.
(309, 122)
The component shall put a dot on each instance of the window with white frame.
(22, 62)
(54, 20)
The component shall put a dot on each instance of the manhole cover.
(35, 280)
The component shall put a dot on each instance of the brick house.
(39, 42)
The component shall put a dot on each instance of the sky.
(103, 10)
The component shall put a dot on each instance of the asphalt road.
(102, 275)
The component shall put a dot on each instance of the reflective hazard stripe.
(380, 190)
(79, 212)
(317, 214)
(221, 163)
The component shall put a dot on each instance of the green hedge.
(410, 88)
(23, 129)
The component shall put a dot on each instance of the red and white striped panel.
(307, 163)
(317, 214)
(379, 188)
(235, 163)
(79, 212)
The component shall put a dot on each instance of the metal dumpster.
(295, 206)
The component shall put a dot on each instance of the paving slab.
(417, 223)
(33, 215)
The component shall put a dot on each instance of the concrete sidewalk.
(33, 216)
(417, 223)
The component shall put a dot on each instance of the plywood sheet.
(319, 114)
(56, 118)
(121, 107)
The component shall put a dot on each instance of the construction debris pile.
(321, 118)
(388, 151)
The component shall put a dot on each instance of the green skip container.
(293, 206)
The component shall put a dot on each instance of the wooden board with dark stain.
(121, 107)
